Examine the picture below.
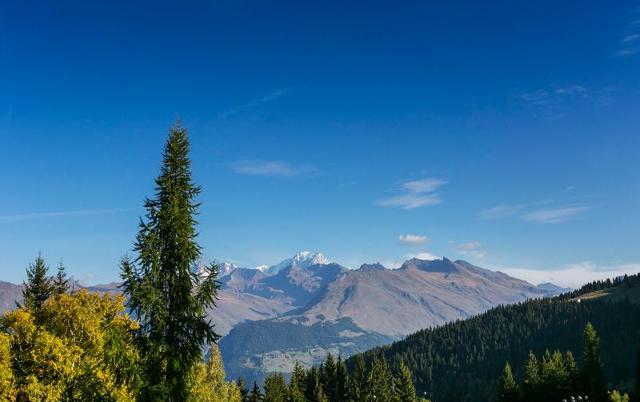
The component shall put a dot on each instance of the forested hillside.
(463, 360)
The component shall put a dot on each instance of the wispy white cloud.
(271, 168)
(62, 214)
(472, 248)
(427, 185)
(554, 101)
(412, 240)
(411, 201)
(501, 211)
(544, 212)
(573, 275)
(629, 44)
(415, 194)
(556, 214)
(256, 102)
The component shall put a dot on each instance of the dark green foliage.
(358, 380)
(60, 282)
(507, 387)
(557, 377)
(328, 377)
(632, 281)
(297, 384)
(379, 381)
(244, 392)
(462, 361)
(342, 381)
(38, 288)
(275, 389)
(256, 395)
(593, 380)
(405, 390)
(164, 291)
(531, 379)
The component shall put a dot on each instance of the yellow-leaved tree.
(80, 349)
(207, 381)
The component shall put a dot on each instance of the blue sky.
(506, 134)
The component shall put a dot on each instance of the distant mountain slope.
(9, 295)
(372, 304)
(461, 361)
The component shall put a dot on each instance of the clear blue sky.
(506, 133)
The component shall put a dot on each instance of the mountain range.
(306, 306)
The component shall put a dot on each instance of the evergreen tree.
(38, 288)
(405, 391)
(572, 373)
(297, 384)
(593, 382)
(342, 381)
(507, 386)
(531, 380)
(60, 282)
(165, 293)
(256, 395)
(275, 388)
(244, 392)
(314, 392)
(329, 381)
(379, 381)
(358, 381)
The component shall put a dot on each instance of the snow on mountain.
(224, 269)
(303, 259)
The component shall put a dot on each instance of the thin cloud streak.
(256, 102)
(62, 214)
(555, 215)
(411, 201)
(415, 194)
(270, 168)
(630, 43)
(501, 212)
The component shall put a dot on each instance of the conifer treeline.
(461, 361)
(628, 281)
(557, 376)
(331, 382)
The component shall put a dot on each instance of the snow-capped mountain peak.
(303, 259)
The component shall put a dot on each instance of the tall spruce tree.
(342, 381)
(358, 381)
(507, 386)
(380, 381)
(531, 380)
(244, 392)
(38, 288)
(60, 282)
(572, 372)
(329, 381)
(405, 391)
(164, 292)
(256, 395)
(275, 388)
(297, 384)
(593, 381)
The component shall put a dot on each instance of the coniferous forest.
(147, 343)
(463, 360)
